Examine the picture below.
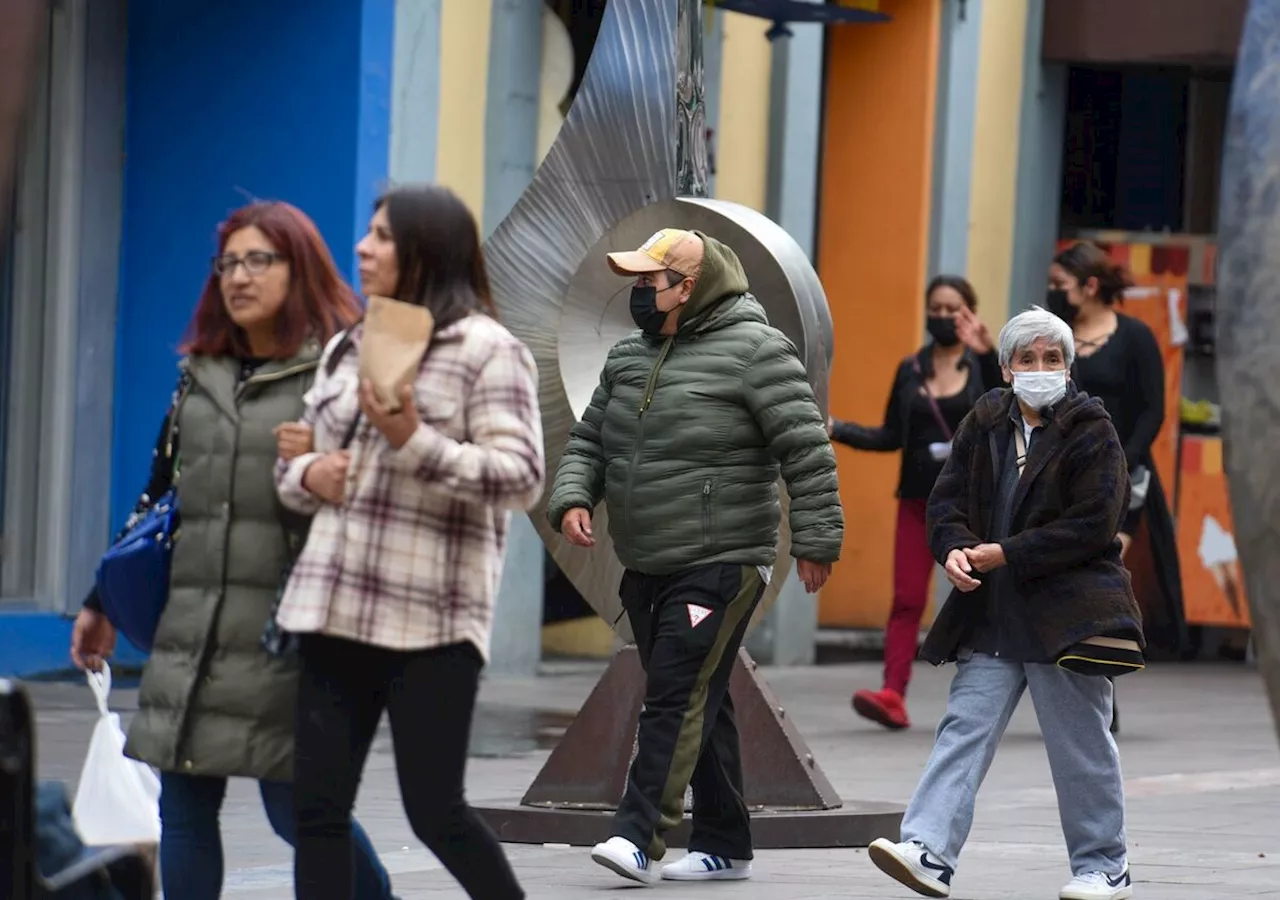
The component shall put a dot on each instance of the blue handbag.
(133, 576)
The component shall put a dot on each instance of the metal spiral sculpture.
(631, 158)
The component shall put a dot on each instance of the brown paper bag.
(396, 336)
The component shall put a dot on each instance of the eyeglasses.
(255, 262)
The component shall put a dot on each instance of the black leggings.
(429, 696)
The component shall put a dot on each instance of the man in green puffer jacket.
(695, 416)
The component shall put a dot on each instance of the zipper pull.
(706, 488)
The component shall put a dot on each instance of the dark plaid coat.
(1063, 556)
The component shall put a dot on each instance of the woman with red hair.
(214, 702)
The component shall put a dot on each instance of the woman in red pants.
(934, 389)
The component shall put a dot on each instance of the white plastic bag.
(118, 800)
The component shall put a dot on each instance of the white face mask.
(1040, 389)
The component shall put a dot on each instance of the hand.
(576, 527)
(813, 574)
(293, 439)
(831, 426)
(975, 335)
(327, 477)
(957, 568)
(985, 557)
(93, 639)
(397, 427)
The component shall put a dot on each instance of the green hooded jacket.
(686, 435)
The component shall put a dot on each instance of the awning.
(782, 12)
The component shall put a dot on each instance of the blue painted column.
(511, 148)
(1039, 194)
(712, 77)
(511, 119)
(786, 636)
(957, 110)
(955, 116)
(795, 128)
(415, 91)
(229, 102)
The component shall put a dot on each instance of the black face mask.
(645, 312)
(1056, 302)
(943, 331)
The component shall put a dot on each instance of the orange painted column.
(873, 244)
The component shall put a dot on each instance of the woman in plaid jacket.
(393, 595)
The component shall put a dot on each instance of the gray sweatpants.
(1074, 712)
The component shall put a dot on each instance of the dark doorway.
(1124, 159)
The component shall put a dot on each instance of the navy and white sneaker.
(912, 864)
(1098, 886)
(625, 858)
(699, 866)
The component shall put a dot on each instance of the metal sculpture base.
(793, 804)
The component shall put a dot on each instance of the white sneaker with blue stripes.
(625, 858)
(1099, 886)
(699, 866)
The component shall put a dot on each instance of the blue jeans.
(1075, 717)
(191, 865)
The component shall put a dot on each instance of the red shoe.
(886, 707)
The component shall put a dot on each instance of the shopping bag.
(396, 335)
(118, 800)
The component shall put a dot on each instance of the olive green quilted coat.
(213, 702)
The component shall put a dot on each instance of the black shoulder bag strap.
(933, 404)
(340, 350)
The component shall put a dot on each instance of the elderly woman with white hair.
(1024, 518)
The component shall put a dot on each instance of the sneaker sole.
(898, 869)
(619, 868)
(871, 711)
(721, 875)
(1123, 894)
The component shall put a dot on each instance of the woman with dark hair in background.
(393, 594)
(933, 390)
(1118, 361)
(214, 703)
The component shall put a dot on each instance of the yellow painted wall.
(556, 80)
(464, 81)
(742, 135)
(993, 181)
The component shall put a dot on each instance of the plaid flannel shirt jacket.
(412, 558)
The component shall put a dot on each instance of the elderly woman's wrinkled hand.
(985, 557)
(958, 572)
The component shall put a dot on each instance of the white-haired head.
(1024, 329)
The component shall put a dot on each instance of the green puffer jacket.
(685, 436)
(213, 702)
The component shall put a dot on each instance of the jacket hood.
(1074, 409)
(722, 277)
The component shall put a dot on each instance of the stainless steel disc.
(609, 182)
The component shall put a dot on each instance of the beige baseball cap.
(670, 248)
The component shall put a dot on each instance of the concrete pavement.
(1200, 754)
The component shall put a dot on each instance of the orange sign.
(1212, 582)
